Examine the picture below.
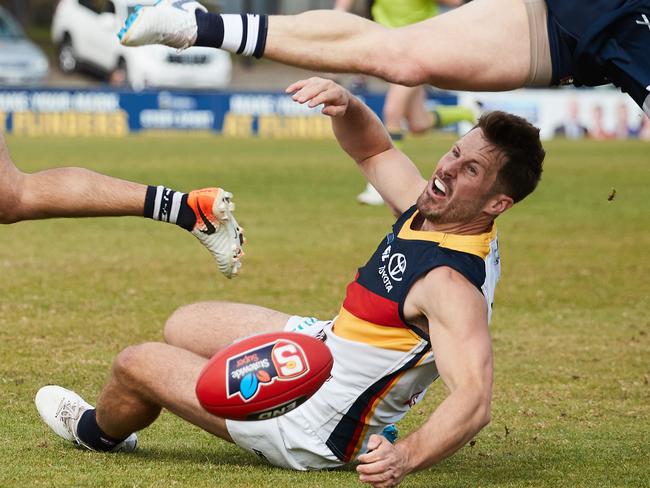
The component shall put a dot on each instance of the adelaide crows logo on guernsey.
(263, 365)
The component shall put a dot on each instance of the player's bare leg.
(75, 192)
(421, 120)
(78, 192)
(462, 49)
(146, 378)
(63, 192)
(418, 119)
(206, 327)
(404, 103)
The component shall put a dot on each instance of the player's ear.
(498, 204)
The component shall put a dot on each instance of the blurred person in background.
(623, 128)
(571, 127)
(405, 106)
(597, 129)
(644, 130)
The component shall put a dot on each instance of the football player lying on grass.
(418, 309)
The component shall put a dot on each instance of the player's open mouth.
(438, 188)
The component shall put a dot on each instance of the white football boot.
(61, 410)
(168, 22)
(370, 196)
(217, 228)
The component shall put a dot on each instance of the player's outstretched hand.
(384, 465)
(316, 91)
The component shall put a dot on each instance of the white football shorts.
(287, 441)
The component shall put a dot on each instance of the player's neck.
(477, 226)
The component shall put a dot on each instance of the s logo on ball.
(289, 360)
(264, 376)
(262, 366)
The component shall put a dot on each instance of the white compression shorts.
(287, 441)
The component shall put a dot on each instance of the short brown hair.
(519, 143)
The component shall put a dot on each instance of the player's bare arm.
(361, 134)
(456, 316)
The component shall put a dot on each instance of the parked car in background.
(21, 61)
(85, 32)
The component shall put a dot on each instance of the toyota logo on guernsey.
(394, 270)
(397, 266)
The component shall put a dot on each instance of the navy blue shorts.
(595, 42)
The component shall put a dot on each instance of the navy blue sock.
(167, 205)
(91, 435)
(243, 34)
(209, 32)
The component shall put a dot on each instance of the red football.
(263, 376)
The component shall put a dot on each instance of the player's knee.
(173, 330)
(483, 414)
(396, 61)
(486, 417)
(398, 66)
(412, 75)
(129, 363)
(180, 322)
(406, 74)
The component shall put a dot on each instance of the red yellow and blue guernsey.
(382, 364)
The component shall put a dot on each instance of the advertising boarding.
(107, 112)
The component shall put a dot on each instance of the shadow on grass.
(227, 455)
(223, 455)
(493, 470)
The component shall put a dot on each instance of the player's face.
(463, 181)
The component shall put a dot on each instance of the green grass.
(571, 327)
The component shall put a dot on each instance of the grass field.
(571, 327)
